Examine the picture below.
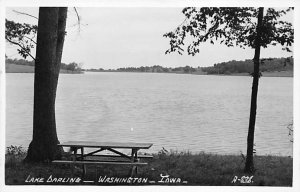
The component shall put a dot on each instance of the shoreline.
(14, 68)
(264, 74)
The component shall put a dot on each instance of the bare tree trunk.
(249, 166)
(62, 19)
(50, 39)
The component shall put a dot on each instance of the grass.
(197, 169)
(14, 68)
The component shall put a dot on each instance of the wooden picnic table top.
(94, 144)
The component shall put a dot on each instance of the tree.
(243, 27)
(50, 40)
(249, 166)
(72, 66)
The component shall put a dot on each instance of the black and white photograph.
(150, 94)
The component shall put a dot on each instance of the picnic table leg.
(133, 171)
(97, 177)
(134, 159)
(73, 159)
(83, 165)
(134, 155)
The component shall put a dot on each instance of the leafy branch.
(21, 35)
(232, 26)
(24, 51)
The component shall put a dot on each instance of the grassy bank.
(197, 169)
(13, 68)
(264, 74)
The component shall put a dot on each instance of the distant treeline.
(227, 68)
(266, 65)
(230, 67)
(71, 66)
(151, 69)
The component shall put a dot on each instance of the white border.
(296, 151)
(153, 3)
(150, 3)
(2, 93)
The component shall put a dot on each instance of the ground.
(164, 169)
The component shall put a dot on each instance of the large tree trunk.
(50, 39)
(249, 166)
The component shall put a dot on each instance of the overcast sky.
(111, 38)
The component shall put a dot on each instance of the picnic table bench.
(115, 158)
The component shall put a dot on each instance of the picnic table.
(116, 156)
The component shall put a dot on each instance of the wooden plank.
(119, 153)
(118, 156)
(106, 160)
(91, 153)
(145, 156)
(98, 162)
(106, 144)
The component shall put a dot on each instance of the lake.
(179, 112)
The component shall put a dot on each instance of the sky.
(115, 37)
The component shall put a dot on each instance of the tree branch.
(30, 39)
(180, 24)
(15, 43)
(78, 18)
(21, 13)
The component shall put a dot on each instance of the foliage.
(14, 154)
(15, 150)
(22, 35)
(20, 62)
(154, 68)
(73, 66)
(232, 26)
(267, 65)
(150, 69)
(246, 66)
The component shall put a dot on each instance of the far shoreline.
(264, 74)
(14, 68)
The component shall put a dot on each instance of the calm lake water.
(175, 111)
